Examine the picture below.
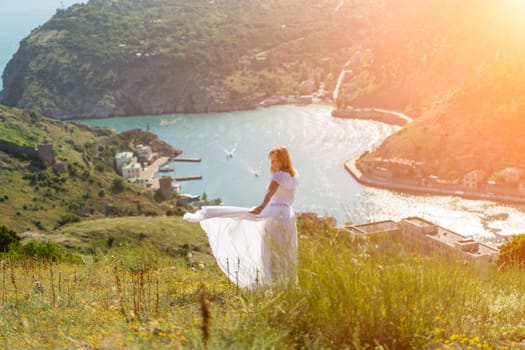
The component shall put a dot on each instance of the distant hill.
(456, 66)
(128, 57)
(480, 127)
(34, 197)
(459, 69)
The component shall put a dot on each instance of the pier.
(380, 115)
(185, 159)
(188, 178)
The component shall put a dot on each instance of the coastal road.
(150, 171)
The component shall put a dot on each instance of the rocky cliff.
(165, 56)
(63, 85)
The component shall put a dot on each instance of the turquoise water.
(18, 18)
(319, 145)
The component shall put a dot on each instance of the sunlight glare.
(516, 9)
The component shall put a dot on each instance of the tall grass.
(355, 299)
(349, 296)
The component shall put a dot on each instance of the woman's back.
(285, 194)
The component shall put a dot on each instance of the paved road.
(366, 180)
(150, 171)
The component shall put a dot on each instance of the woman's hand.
(272, 188)
(256, 211)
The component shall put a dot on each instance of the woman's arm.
(271, 190)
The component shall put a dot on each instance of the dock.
(188, 178)
(185, 159)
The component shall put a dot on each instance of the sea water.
(235, 168)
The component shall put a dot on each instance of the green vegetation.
(36, 198)
(8, 237)
(512, 252)
(128, 57)
(456, 66)
(139, 294)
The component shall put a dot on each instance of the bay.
(319, 145)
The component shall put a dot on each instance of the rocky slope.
(127, 57)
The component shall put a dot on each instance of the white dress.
(255, 250)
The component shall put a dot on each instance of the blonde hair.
(283, 156)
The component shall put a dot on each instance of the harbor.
(162, 164)
(325, 185)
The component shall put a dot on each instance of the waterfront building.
(428, 238)
(418, 235)
(510, 175)
(144, 154)
(165, 187)
(121, 159)
(376, 231)
(131, 170)
(139, 181)
(474, 179)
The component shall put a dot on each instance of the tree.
(118, 185)
(7, 238)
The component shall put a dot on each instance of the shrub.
(45, 251)
(7, 238)
(118, 185)
(68, 218)
(512, 252)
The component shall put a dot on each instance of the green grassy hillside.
(137, 294)
(480, 127)
(33, 197)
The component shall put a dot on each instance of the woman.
(257, 246)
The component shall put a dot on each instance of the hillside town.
(141, 166)
(506, 185)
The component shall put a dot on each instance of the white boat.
(191, 197)
(176, 187)
(166, 169)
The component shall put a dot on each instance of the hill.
(164, 56)
(136, 293)
(456, 66)
(478, 128)
(34, 197)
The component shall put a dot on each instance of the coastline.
(350, 166)
(151, 171)
(380, 115)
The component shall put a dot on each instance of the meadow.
(139, 293)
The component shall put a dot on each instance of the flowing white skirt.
(252, 250)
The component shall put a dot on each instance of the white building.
(474, 179)
(419, 235)
(123, 158)
(131, 170)
(144, 153)
(426, 237)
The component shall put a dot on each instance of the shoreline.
(252, 107)
(376, 114)
(350, 166)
